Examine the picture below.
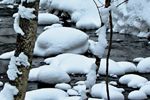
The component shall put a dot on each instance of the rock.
(61, 40)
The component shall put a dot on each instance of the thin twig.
(98, 12)
(122, 3)
(98, 60)
(108, 54)
(107, 4)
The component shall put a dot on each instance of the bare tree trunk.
(25, 43)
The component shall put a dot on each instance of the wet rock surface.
(124, 48)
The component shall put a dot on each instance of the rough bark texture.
(25, 44)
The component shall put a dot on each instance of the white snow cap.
(84, 13)
(137, 95)
(99, 47)
(132, 17)
(138, 59)
(127, 66)
(46, 94)
(146, 88)
(17, 28)
(7, 55)
(72, 92)
(72, 98)
(47, 18)
(132, 80)
(13, 71)
(26, 12)
(144, 65)
(52, 26)
(8, 92)
(63, 86)
(71, 63)
(94, 99)
(49, 75)
(91, 77)
(61, 40)
(115, 93)
(114, 68)
(22, 59)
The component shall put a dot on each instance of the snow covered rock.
(8, 92)
(61, 40)
(47, 18)
(146, 89)
(91, 77)
(80, 88)
(72, 98)
(132, 17)
(48, 74)
(52, 26)
(132, 80)
(114, 68)
(71, 63)
(137, 95)
(84, 14)
(127, 66)
(138, 59)
(99, 91)
(72, 92)
(7, 55)
(63, 86)
(94, 99)
(46, 94)
(144, 65)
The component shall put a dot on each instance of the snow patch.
(115, 93)
(7, 55)
(26, 13)
(79, 64)
(48, 75)
(63, 86)
(132, 80)
(137, 95)
(47, 18)
(144, 65)
(8, 92)
(61, 40)
(114, 68)
(46, 94)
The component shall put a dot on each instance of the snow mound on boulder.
(132, 80)
(114, 68)
(137, 95)
(71, 63)
(61, 40)
(99, 91)
(46, 94)
(49, 75)
(144, 65)
(84, 14)
(47, 18)
(127, 66)
(146, 88)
